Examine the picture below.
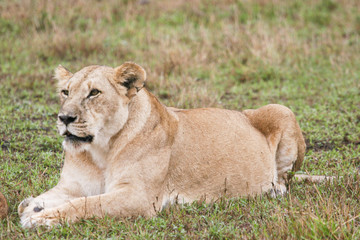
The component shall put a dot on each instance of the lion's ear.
(131, 76)
(62, 74)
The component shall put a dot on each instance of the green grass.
(228, 54)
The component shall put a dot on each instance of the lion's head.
(94, 102)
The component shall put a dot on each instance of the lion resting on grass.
(126, 154)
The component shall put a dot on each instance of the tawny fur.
(145, 155)
(3, 206)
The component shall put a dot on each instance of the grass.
(204, 53)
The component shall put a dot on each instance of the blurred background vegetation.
(202, 53)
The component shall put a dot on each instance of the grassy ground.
(228, 54)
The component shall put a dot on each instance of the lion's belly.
(215, 155)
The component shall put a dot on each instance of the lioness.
(126, 154)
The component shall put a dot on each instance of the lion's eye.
(93, 93)
(65, 92)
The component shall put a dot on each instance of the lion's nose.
(67, 119)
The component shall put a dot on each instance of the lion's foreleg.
(115, 204)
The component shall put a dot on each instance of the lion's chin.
(75, 146)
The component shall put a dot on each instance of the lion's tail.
(313, 178)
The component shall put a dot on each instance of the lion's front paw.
(43, 218)
(27, 208)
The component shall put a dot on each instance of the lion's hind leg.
(284, 137)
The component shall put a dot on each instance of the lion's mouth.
(75, 138)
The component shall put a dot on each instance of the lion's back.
(214, 146)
